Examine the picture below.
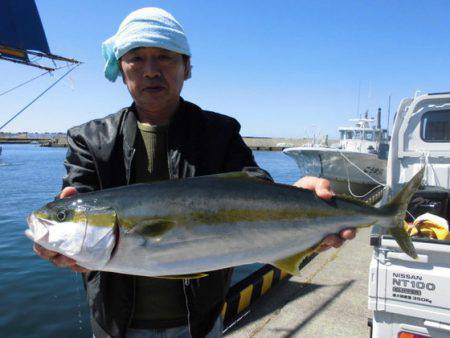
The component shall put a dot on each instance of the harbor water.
(36, 298)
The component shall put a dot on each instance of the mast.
(359, 98)
(389, 115)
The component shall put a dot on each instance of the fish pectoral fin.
(292, 263)
(153, 227)
(191, 276)
(233, 174)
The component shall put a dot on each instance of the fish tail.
(396, 208)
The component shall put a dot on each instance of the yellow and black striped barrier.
(244, 293)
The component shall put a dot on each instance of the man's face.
(154, 77)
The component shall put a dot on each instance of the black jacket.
(100, 156)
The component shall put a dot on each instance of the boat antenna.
(359, 98)
(369, 96)
(389, 114)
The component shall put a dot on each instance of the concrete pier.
(254, 143)
(45, 142)
(16, 140)
(273, 144)
(328, 300)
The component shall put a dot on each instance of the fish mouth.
(38, 228)
(66, 238)
(91, 246)
(45, 222)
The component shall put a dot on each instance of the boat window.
(342, 135)
(357, 134)
(349, 135)
(435, 126)
(368, 136)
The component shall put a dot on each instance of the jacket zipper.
(186, 283)
(168, 157)
(133, 151)
(133, 302)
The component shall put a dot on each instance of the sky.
(288, 68)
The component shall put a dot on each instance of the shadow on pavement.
(275, 299)
(343, 287)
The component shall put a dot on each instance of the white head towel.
(146, 27)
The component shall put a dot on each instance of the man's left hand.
(322, 189)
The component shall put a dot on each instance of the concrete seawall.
(274, 144)
(254, 143)
(44, 142)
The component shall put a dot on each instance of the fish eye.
(61, 215)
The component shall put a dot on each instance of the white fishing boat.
(356, 165)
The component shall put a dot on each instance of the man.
(160, 136)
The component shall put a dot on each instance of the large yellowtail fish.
(195, 225)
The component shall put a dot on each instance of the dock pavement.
(328, 300)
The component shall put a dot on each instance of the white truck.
(411, 298)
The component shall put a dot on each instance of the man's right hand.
(55, 257)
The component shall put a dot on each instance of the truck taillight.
(411, 335)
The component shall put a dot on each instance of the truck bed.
(406, 294)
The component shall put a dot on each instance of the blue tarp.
(21, 26)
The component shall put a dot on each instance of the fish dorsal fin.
(190, 276)
(292, 263)
(154, 228)
(245, 174)
(234, 175)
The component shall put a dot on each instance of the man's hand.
(322, 189)
(54, 257)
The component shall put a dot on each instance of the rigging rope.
(35, 99)
(34, 78)
(359, 196)
(359, 169)
(376, 187)
(428, 164)
(362, 171)
(24, 83)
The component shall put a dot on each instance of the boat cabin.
(363, 137)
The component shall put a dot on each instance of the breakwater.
(18, 140)
(44, 142)
(253, 142)
(274, 143)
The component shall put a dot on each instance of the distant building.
(60, 140)
(23, 135)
